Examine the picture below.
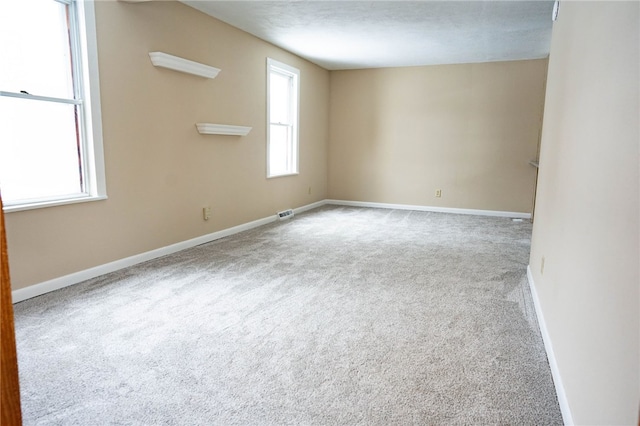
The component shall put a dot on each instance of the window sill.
(51, 203)
(284, 175)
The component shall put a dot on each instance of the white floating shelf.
(222, 129)
(164, 60)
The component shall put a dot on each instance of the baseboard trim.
(567, 418)
(77, 277)
(65, 281)
(517, 215)
(310, 207)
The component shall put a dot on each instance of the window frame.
(86, 81)
(294, 146)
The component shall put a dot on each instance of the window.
(50, 127)
(282, 114)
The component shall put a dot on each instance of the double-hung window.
(50, 127)
(283, 83)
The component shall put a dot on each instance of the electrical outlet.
(206, 213)
(438, 193)
(542, 266)
(309, 191)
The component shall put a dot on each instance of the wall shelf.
(222, 129)
(164, 60)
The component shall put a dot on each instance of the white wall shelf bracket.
(222, 129)
(164, 60)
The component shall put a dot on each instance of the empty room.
(320, 212)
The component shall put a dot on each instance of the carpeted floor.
(340, 316)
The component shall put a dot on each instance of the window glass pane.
(279, 102)
(34, 47)
(278, 149)
(282, 145)
(39, 154)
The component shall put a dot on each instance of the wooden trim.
(10, 413)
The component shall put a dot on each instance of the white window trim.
(274, 64)
(93, 152)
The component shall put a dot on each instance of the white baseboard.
(310, 206)
(567, 418)
(77, 277)
(517, 215)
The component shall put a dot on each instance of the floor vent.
(285, 214)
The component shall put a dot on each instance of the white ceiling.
(341, 34)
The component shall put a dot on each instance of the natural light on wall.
(282, 112)
(49, 151)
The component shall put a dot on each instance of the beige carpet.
(340, 316)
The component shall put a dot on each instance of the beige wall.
(587, 214)
(160, 171)
(398, 134)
